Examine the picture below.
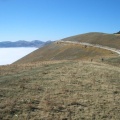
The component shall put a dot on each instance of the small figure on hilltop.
(102, 59)
(91, 60)
(85, 46)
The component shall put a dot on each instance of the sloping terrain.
(60, 91)
(113, 61)
(111, 40)
(65, 51)
(63, 81)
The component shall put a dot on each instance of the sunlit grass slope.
(111, 40)
(60, 91)
(65, 51)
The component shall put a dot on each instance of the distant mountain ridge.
(23, 43)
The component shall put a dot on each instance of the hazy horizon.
(10, 55)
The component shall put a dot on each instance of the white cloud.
(10, 55)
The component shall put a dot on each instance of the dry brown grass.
(66, 51)
(111, 40)
(69, 90)
(113, 61)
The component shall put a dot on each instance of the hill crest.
(110, 40)
(70, 51)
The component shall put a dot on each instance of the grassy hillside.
(114, 61)
(60, 91)
(65, 51)
(111, 40)
(63, 81)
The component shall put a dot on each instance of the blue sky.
(56, 19)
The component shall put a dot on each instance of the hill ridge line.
(94, 45)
